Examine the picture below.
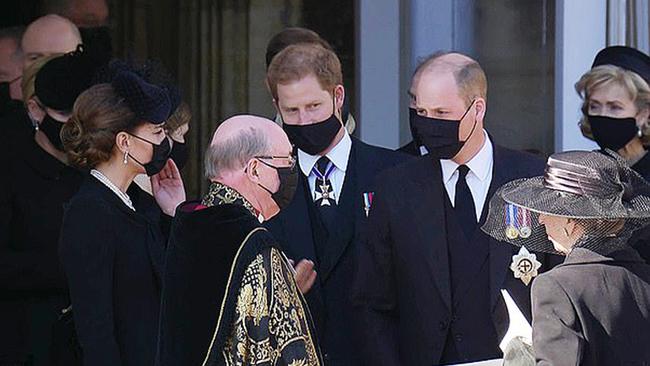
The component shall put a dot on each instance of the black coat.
(112, 257)
(33, 190)
(641, 238)
(606, 322)
(403, 285)
(329, 298)
(411, 148)
(643, 167)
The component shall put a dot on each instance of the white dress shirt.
(478, 178)
(339, 157)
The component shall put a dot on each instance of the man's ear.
(339, 97)
(252, 170)
(480, 106)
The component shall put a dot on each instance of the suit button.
(443, 325)
(459, 337)
(454, 319)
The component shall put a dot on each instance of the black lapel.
(426, 195)
(500, 253)
(347, 213)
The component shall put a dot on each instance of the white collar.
(107, 182)
(339, 156)
(479, 165)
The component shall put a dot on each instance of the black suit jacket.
(402, 287)
(329, 299)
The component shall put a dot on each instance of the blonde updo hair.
(604, 75)
(98, 115)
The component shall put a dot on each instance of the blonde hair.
(29, 76)
(181, 116)
(601, 76)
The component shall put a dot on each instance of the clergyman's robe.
(229, 297)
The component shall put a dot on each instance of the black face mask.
(314, 138)
(438, 136)
(52, 129)
(158, 158)
(179, 154)
(288, 183)
(613, 133)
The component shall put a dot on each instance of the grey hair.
(235, 152)
(15, 34)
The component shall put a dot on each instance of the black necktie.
(464, 203)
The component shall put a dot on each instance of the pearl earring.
(126, 154)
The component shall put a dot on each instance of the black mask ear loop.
(475, 122)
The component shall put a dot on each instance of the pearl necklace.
(123, 196)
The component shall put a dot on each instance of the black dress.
(33, 190)
(112, 257)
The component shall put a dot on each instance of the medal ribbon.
(511, 213)
(328, 171)
(525, 218)
(367, 199)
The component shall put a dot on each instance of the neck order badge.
(326, 192)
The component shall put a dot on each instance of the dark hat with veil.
(607, 200)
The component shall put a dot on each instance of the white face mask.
(559, 247)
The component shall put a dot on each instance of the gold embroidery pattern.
(274, 329)
(221, 194)
(288, 319)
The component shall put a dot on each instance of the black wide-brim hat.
(625, 57)
(62, 79)
(149, 102)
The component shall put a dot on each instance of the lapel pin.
(367, 201)
(525, 265)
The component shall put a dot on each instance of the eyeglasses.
(290, 158)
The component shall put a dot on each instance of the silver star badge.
(324, 195)
(525, 265)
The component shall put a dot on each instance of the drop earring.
(126, 161)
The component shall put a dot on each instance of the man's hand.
(305, 275)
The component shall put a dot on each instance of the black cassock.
(229, 297)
